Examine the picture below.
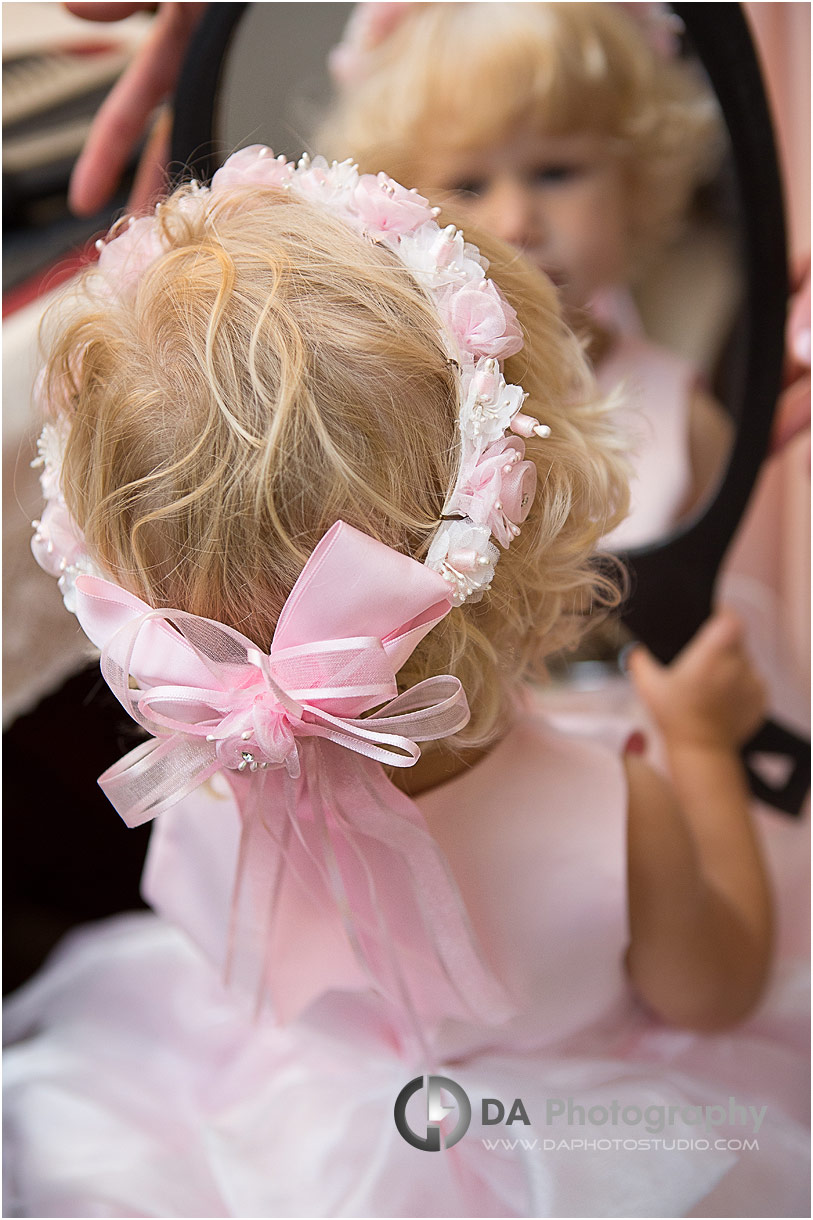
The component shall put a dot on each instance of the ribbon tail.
(282, 886)
(372, 941)
(436, 947)
(263, 802)
(377, 884)
(340, 885)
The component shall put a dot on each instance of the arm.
(699, 904)
(711, 436)
(792, 413)
(125, 113)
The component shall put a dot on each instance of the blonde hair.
(274, 373)
(464, 76)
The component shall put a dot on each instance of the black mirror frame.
(672, 582)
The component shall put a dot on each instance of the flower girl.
(324, 485)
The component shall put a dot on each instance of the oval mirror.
(728, 271)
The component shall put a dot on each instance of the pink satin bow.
(312, 821)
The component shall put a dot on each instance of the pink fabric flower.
(253, 165)
(518, 491)
(58, 541)
(385, 206)
(369, 26)
(124, 260)
(482, 320)
(495, 489)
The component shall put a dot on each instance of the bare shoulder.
(711, 436)
(708, 419)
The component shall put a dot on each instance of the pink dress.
(149, 1091)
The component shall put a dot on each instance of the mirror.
(733, 332)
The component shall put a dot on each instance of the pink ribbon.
(326, 837)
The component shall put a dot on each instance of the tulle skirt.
(137, 1085)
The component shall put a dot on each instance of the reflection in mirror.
(639, 231)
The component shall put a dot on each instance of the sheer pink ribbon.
(328, 843)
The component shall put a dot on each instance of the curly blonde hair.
(273, 373)
(464, 76)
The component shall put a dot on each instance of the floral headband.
(495, 486)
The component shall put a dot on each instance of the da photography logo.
(436, 1112)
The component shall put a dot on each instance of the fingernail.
(635, 743)
(801, 346)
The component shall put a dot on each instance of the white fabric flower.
(489, 403)
(464, 555)
(440, 257)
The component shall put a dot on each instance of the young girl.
(561, 129)
(294, 448)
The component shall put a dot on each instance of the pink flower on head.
(255, 165)
(124, 260)
(369, 25)
(441, 257)
(496, 488)
(329, 185)
(661, 28)
(58, 541)
(386, 207)
(482, 320)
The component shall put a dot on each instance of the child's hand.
(710, 695)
